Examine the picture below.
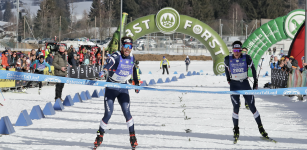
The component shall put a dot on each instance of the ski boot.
(98, 139)
(39, 91)
(133, 140)
(236, 134)
(262, 131)
(24, 89)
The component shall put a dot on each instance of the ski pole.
(260, 67)
(2, 95)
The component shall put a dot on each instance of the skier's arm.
(34, 62)
(46, 64)
(251, 65)
(161, 63)
(167, 62)
(226, 63)
(110, 63)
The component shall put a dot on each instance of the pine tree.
(7, 13)
(95, 10)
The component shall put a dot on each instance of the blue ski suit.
(236, 72)
(120, 69)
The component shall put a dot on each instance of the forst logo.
(168, 20)
(293, 22)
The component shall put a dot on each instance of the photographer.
(60, 69)
(274, 64)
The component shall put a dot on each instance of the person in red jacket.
(4, 60)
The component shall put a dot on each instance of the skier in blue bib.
(118, 70)
(236, 67)
(41, 64)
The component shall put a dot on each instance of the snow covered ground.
(159, 117)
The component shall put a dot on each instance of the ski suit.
(40, 67)
(236, 72)
(164, 64)
(120, 70)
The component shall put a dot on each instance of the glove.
(50, 71)
(103, 73)
(228, 80)
(160, 68)
(130, 81)
(255, 86)
(137, 91)
(169, 66)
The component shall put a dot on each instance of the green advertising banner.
(168, 21)
(272, 32)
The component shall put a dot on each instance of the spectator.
(71, 55)
(9, 57)
(38, 52)
(1, 61)
(187, 63)
(18, 65)
(66, 55)
(274, 50)
(288, 64)
(281, 63)
(274, 64)
(74, 61)
(60, 69)
(14, 60)
(294, 63)
(98, 53)
(4, 60)
(70, 49)
(33, 53)
(244, 50)
(49, 59)
(270, 51)
(91, 60)
(24, 66)
(281, 52)
(87, 58)
(47, 52)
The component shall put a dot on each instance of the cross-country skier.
(118, 70)
(40, 67)
(163, 64)
(236, 67)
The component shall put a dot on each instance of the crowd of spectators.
(21, 61)
(285, 63)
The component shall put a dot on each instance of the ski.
(1, 104)
(95, 147)
(268, 139)
(235, 141)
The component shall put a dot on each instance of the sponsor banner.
(37, 77)
(7, 83)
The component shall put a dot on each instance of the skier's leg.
(250, 100)
(235, 99)
(124, 101)
(166, 69)
(40, 84)
(109, 98)
(163, 69)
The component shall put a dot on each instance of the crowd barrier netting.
(283, 79)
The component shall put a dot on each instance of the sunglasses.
(236, 50)
(127, 45)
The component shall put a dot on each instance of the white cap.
(187, 56)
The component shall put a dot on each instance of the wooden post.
(60, 29)
(24, 27)
(102, 61)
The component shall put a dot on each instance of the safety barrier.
(24, 119)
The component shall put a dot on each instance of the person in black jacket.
(14, 59)
(74, 61)
(187, 63)
(49, 59)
